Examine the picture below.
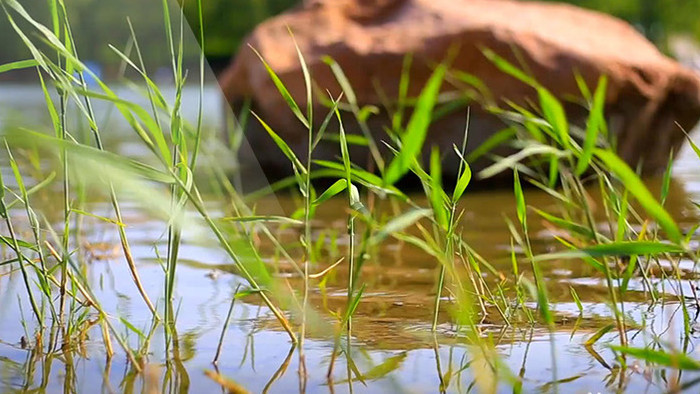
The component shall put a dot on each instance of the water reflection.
(394, 349)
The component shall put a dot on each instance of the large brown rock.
(647, 91)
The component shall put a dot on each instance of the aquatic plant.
(628, 235)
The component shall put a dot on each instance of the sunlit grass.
(560, 158)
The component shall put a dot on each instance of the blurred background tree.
(226, 22)
(658, 20)
(95, 24)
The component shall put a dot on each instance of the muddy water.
(394, 350)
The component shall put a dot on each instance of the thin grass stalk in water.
(20, 257)
(307, 192)
(449, 223)
(178, 139)
(354, 205)
(200, 104)
(612, 289)
(42, 272)
(225, 327)
(542, 299)
(60, 127)
(98, 141)
(193, 196)
(353, 202)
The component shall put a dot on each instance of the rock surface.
(647, 91)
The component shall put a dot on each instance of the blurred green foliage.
(97, 24)
(226, 22)
(656, 19)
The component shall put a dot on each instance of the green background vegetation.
(634, 236)
(226, 22)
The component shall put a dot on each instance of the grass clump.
(624, 237)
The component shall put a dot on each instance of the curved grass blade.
(335, 188)
(508, 67)
(567, 225)
(512, 160)
(390, 365)
(18, 65)
(637, 188)
(598, 334)
(624, 248)
(437, 195)
(417, 128)
(464, 178)
(282, 145)
(399, 223)
(492, 142)
(267, 219)
(29, 138)
(554, 114)
(283, 90)
(658, 357)
(595, 119)
(520, 206)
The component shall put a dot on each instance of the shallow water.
(393, 346)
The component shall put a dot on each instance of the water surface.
(394, 348)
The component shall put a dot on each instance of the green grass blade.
(692, 143)
(266, 219)
(553, 171)
(582, 86)
(595, 118)
(45, 32)
(366, 178)
(344, 151)
(18, 65)
(324, 125)
(513, 160)
(567, 225)
(343, 81)
(520, 206)
(98, 217)
(283, 90)
(464, 178)
(555, 115)
(399, 223)
(307, 77)
(10, 242)
(31, 138)
(417, 128)
(577, 299)
(436, 193)
(282, 145)
(335, 188)
(353, 306)
(509, 68)
(666, 182)
(624, 248)
(658, 357)
(598, 334)
(637, 188)
(498, 138)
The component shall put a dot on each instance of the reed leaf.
(18, 65)
(595, 120)
(623, 248)
(283, 90)
(637, 188)
(658, 357)
(413, 138)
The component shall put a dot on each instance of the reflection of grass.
(555, 156)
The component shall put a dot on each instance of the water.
(394, 348)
